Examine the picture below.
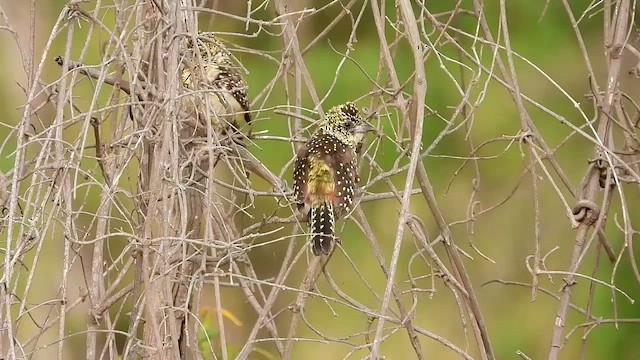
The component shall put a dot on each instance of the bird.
(325, 172)
(214, 71)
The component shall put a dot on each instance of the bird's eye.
(348, 124)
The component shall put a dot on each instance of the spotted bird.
(325, 172)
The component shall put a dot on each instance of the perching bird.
(325, 173)
(214, 72)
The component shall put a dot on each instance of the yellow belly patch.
(321, 186)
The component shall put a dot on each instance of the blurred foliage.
(210, 332)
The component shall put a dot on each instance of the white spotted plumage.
(325, 173)
(219, 77)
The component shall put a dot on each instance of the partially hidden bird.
(325, 172)
(213, 71)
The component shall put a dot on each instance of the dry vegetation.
(128, 234)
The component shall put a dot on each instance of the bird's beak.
(364, 128)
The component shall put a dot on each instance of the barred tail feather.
(322, 224)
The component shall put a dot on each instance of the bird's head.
(210, 47)
(345, 123)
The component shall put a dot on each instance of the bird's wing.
(346, 178)
(300, 173)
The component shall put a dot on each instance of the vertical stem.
(417, 119)
(619, 23)
(61, 178)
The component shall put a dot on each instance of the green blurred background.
(540, 32)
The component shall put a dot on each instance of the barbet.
(325, 173)
(214, 73)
